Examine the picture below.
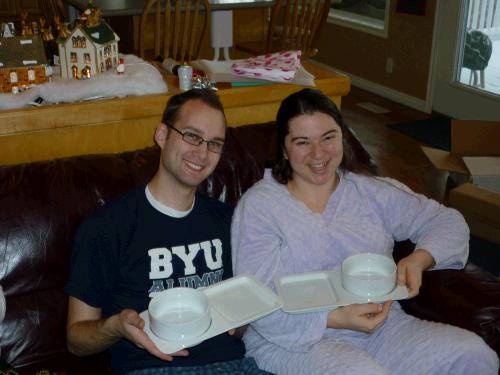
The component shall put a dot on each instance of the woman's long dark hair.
(309, 101)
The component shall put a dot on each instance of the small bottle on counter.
(185, 73)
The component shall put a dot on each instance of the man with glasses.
(153, 238)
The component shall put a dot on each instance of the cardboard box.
(484, 171)
(474, 166)
(481, 209)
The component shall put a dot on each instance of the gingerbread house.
(23, 63)
(88, 50)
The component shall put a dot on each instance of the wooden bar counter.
(122, 124)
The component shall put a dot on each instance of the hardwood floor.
(397, 155)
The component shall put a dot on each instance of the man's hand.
(364, 317)
(131, 327)
(410, 270)
(88, 333)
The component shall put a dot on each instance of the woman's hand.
(238, 332)
(364, 317)
(410, 270)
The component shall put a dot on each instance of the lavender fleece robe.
(274, 234)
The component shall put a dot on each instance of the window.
(13, 77)
(79, 42)
(371, 16)
(31, 75)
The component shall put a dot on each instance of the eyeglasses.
(195, 140)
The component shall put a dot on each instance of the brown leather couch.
(42, 203)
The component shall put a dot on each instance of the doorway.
(466, 71)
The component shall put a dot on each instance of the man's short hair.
(175, 103)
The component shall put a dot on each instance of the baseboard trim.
(386, 92)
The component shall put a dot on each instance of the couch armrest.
(468, 298)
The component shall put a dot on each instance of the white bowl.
(368, 275)
(179, 313)
(3, 306)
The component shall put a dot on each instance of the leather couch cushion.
(42, 205)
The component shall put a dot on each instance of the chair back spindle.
(296, 24)
(179, 27)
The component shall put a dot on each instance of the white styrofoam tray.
(323, 291)
(233, 303)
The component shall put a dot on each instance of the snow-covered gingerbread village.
(87, 48)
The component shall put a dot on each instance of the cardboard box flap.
(485, 171)
(445, 160)
(483, 165)
(475, 138)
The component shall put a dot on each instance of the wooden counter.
(122, 124)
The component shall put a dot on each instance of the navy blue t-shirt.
(128, 250)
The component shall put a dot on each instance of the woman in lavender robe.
(317, 206)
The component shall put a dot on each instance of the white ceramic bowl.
(368, 275)
(3, 306)
(179, 313)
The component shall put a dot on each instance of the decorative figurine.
(26, 29)
(120, 69)
(46, 30)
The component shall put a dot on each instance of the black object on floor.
(434, 132)
(485, 254)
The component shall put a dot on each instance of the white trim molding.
(386, 92)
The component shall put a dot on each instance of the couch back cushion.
(42, 205)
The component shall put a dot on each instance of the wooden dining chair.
(178, 28)
(293, 25)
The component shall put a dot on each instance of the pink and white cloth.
(276, 67)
